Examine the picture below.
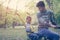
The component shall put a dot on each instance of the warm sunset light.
(29, 19)
(20, 4)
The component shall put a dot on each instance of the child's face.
(28, 20)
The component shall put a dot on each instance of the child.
(30, 32)
(28, 24)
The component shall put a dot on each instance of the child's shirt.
(28, 27)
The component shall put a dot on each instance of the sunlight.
(20, 4)
(16, 4)
(13, 3)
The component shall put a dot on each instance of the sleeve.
(38, 17)
(52, 18)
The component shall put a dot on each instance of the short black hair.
(40, 4)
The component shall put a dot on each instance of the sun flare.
(16, 4)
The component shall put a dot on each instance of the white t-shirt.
(28, 29)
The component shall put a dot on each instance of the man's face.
(41, 9)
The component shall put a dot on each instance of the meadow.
(17, 33)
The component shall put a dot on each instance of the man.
(46, 19)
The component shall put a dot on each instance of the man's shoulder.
(50, 11)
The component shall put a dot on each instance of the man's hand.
(52, 25)
(57, 27)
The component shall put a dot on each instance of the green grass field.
(15, 34)
(12, 34)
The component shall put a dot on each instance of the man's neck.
(43, 11)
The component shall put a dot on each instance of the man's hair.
(40, 4)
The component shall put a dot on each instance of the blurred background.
(12, 11)
(13, 14)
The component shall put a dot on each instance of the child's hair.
(40, 4)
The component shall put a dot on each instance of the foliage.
(9, 16)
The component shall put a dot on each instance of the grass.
(16, 34)
(12, 34)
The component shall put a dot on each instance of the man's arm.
(38, 15)
(52, 19)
